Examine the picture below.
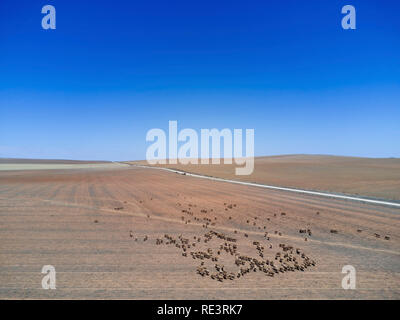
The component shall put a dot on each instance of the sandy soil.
(56, 165)
(375, 178)
(46, 161)
(100, 229)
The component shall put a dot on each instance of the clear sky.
(112, 70)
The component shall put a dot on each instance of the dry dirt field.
(42, 164)
(135, 233)
(368, 177)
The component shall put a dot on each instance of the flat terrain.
(136, 233)
(46, 161)
(368, 177)
(43, 164)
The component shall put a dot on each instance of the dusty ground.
(99, 228)
(369, 177)
(46, 161)
(42, 164)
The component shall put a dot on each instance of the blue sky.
(112, 70)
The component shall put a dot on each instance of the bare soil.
(368, 177)
(136, 233)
